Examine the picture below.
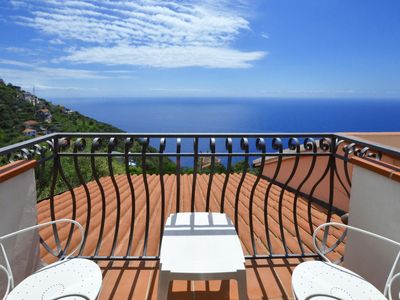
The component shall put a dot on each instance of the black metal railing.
(275, 187)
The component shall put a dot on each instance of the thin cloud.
(16, 63)
(265, 35)
(32, 71)
(181, 33)
(172, 90)
(17, 50)
(168, 57)
(61, 88)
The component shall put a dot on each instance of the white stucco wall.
(374, 206)
(18, 211)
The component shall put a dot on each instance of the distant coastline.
(25, 116)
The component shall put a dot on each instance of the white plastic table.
(201, 246)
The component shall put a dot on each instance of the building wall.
(321, 191)
(374, 206)
(391, 139)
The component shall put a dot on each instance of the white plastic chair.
(318, 280)
(75, 278)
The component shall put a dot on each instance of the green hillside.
(15, 110)
(44, 117)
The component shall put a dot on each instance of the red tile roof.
(31, 123)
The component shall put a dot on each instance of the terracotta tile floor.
(89, 212)
(266, 279)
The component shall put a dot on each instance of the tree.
(240, 166)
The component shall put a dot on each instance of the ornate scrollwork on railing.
(325, 144)
(260, 145)
(128, 144)
(360, 151)
(277, 144)
(64, 144)
(35, 151)
(96, 144)
(294, 144)
(310, 145)
(244, 144)
(79, 145)
(228, 144)
(26, 154)
(144, 142)
(112, 144)
(348, 149)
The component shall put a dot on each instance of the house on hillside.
(29, 132)
(43, 130)
(66, 111)
(45, 115)
(205, 162)
(28, 97)
(31, 124)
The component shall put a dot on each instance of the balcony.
(122, 188)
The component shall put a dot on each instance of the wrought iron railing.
(276, 187)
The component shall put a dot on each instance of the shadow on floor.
(266, 279)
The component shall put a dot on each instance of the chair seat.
(316, 277)
(75, 276)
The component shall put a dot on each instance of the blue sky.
(197, 48)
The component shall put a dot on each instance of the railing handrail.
(21, 145)
(195, 134)
(366, 143)
(376, 146)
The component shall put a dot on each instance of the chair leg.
(163, 285)
(242, 284)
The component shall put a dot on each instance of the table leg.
(242, 284)
(163, 285)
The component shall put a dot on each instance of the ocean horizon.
(238, 115)
(250, 115)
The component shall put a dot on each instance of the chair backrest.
(17, 211)
(6, 282)
(374, 206)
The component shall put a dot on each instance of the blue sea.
(218, 115)
(241, 115)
